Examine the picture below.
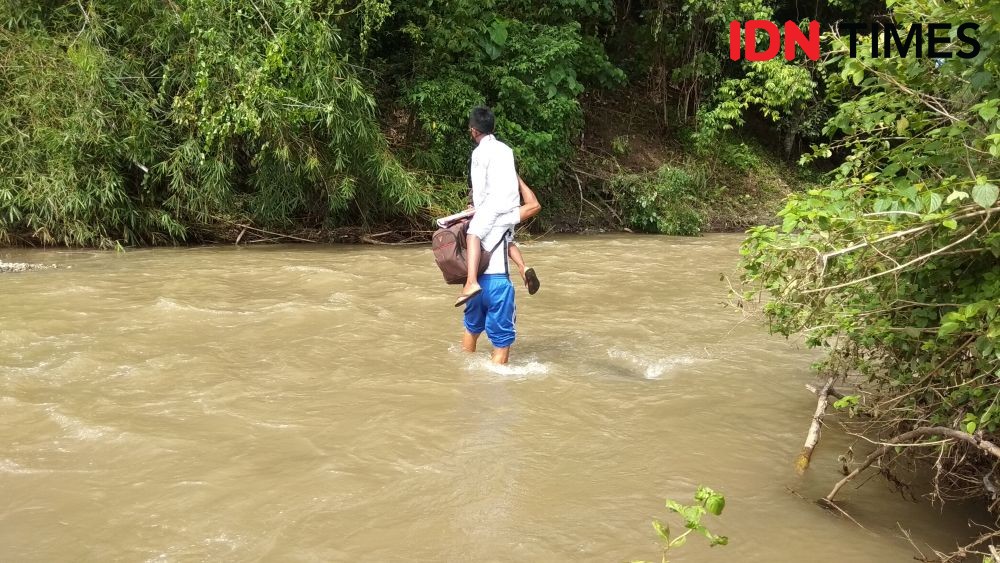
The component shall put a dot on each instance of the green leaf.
(663, 530)
(789, 223)
(985, 194)
(719, 540)
(981, 79)
(715, 504)
(987, 112)
(957, 194)
(932, 202)
(949, 328)
(847, 401)
(498, 33)
(675, 506)
(950, 224)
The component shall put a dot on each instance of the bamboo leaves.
(158, 116)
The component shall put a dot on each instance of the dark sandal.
(531, 281)
(463, 299)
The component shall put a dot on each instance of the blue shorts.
(493, 310)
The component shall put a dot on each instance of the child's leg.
(529, 208)
(515, 256)
(473, 253)
(480, 226)
(527, 274)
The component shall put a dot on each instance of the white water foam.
(14, 468)
(167, 304)
(308, 269)
(80, 429)
(517, 368)
(651, 368)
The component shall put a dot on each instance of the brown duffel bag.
(449, 249)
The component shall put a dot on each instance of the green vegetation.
(663, 202)
(131, 121)
(158, 122)
(893, 265)
(707, 501)
(736, 186)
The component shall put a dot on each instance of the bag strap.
(506, 256)
(497, 245)
(487, 255)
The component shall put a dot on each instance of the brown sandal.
(531, 281)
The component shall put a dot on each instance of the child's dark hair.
(481, 119)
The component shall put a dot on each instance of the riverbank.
(621, 180)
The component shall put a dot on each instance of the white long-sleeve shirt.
(494, 178)
(495, 195)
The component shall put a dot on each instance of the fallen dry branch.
(273, 234)
(830, 505)
(964, 552)
(368, 239)
(831, 393)
(903, 439)
(802, 462)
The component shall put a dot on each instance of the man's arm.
(528, 209)
(529, 206)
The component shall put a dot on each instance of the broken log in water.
(802, 462)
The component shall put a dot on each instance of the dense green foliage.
(161, 121)
(894, 265)
(665, 202)
(528, 60)
(734, 186)
(129, 121)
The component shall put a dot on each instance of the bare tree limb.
(835, 394)
(825, 257)
(904, 265)
(802, 462)
(976, 440)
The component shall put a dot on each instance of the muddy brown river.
(311, 403)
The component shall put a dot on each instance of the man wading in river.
(493, 308)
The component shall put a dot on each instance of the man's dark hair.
(481, 119)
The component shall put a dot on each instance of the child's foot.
(531, 281)
(468, 292)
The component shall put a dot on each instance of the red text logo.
(884, 40)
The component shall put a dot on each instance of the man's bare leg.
(500, 355)
(469, 341)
